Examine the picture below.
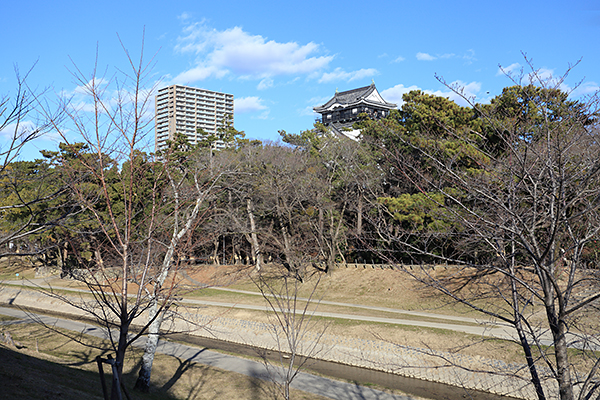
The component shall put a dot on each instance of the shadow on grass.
(65, 368)
(197, 377)
(184, 365)
(24, 376)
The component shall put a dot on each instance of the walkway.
(476, 326)
(306, 382)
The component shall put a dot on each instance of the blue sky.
(280, 59)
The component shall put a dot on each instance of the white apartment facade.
(185, 109)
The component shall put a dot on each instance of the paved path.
(306, 382)
(352, 305)
(478, 328)
(370, 308)
(481, 330)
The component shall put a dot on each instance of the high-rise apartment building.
(186, 109)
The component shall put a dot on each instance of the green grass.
(221, 294)
(11, 274)
(341, 322)
(10, 266)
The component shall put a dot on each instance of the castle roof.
(367, 95)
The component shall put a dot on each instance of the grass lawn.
(11, 266)
(47, 365)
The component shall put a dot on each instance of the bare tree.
(262, 205)
(192, 178)
(296, 333)
(519, 195)
(120, 190)
(341, 177)
(18, 130)
(24, 186)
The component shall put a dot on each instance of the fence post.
(102, 381)
(117, 386)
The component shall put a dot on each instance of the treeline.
(314, 200)
(262, 202)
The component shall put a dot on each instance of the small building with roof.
(343, 110)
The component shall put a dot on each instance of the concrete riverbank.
(453, 369)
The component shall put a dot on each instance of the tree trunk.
(287, 247)
(155, 318)
(123, 326)
(156, 314)
(563, 371)
(63, 254)
(120, 356)
(331, 250)
(321, 228)
(535, 378)
(256, 253)
(99, 260)
(359, 216)
(235, 249)
(216, 252)
(143, 381)
(98, 257)
(335, 235)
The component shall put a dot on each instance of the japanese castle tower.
(342, 111)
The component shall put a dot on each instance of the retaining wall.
(478, 373)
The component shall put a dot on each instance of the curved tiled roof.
(354, 97)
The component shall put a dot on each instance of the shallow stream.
(360, 376)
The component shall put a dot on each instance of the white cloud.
(468, 90)
(319, 100)
(394, 94)
(512, 68)
(585, 89)
(265, 84)
(399, 59)
(81, 97)
(543, 74)
(199, 73)
(463, 89)
(460, 92)
(184, 16)
(248, 104)
(20, 130)
(94, 84)
(340, 75)
(314, 102)
(469, 56)
(546, 77)
(105, 96)
(425, 57)
(308, 111)
(83, 106)
(236, 52)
